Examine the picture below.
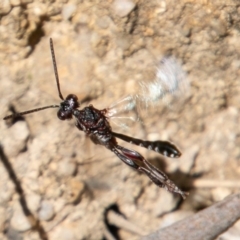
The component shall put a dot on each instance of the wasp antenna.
(55, 69)
(29, 111)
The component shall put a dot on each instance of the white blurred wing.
(170, 82)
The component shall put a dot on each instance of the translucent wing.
(123, 112)
(170, 82)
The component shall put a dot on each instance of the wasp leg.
(130, 157)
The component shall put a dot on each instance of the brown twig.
(206, 224)
(122, 223)
(211, 183)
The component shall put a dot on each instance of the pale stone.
(68, 11)
(19, 220)
(123, 7)
(46, 211)
(5, 7)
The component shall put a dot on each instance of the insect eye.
(63, 115)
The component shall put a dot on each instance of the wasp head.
(67, 106)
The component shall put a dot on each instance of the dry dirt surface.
(54, 182)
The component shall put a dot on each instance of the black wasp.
(95, 124)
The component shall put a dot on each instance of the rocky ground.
(54, 182)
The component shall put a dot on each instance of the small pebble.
(66, 168)
(5, 7)
(33, 202)
(15, 2)
(173, 217)
(68, 11)
(12, 234)
(104, 22)
(19, 221)
(219, 193)
(161, 8)
(46, 211)
(73, 190)
(166, 203)
(123, 7)
(188, 158)
(63, 232)
(218, 27)
(17, 138)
